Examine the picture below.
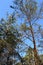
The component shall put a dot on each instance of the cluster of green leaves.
(9, 38)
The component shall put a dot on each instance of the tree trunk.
(36, 57)
(22, 61)
(35, 54)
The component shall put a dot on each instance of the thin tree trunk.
(34, 43)
(22, 61)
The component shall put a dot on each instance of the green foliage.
(11, 36)
(29, 57)
(9, 39)
(28, 11)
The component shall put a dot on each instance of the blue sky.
(5, 7)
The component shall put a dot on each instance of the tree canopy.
(16, 29)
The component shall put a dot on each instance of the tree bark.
(34, 43)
